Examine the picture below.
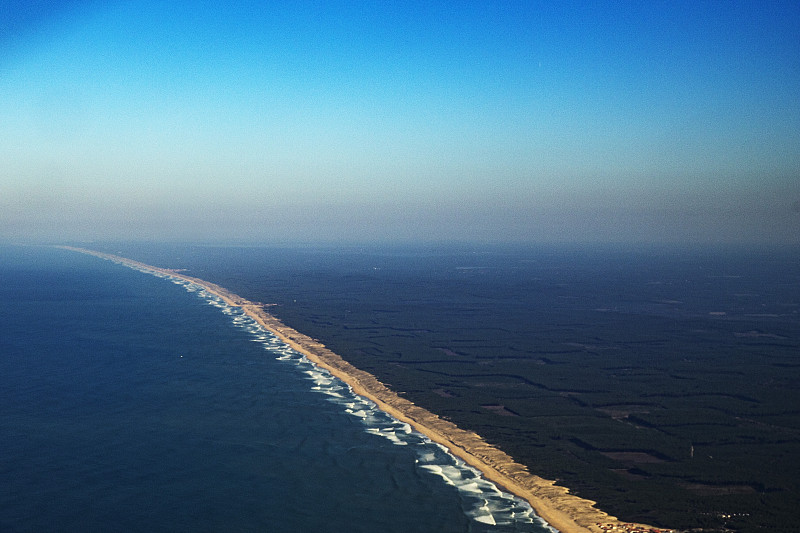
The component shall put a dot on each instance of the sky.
(501, 121)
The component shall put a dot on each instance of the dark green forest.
(661, 385)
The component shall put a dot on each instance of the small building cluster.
(632, 528)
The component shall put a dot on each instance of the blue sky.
(489, 121)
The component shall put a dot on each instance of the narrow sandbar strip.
(564, 511)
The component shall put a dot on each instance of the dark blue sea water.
(132, 403)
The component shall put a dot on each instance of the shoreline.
(553, 503)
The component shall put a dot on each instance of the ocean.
(130, 402)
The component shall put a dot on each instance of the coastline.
(553, 503)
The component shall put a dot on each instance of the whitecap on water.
(484, 515)
(481, 500)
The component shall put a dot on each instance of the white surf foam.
(481, 500)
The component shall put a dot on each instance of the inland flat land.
(563, 511)
(659, 382)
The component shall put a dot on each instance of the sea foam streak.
(481, 500)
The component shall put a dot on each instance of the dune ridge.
(562, 510)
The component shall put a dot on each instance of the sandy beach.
(562, 510)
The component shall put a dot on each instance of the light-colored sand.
(553, 503)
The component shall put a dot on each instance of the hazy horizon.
(365, 122)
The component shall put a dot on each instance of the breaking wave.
(481, 500)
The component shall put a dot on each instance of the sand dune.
(554, 503)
